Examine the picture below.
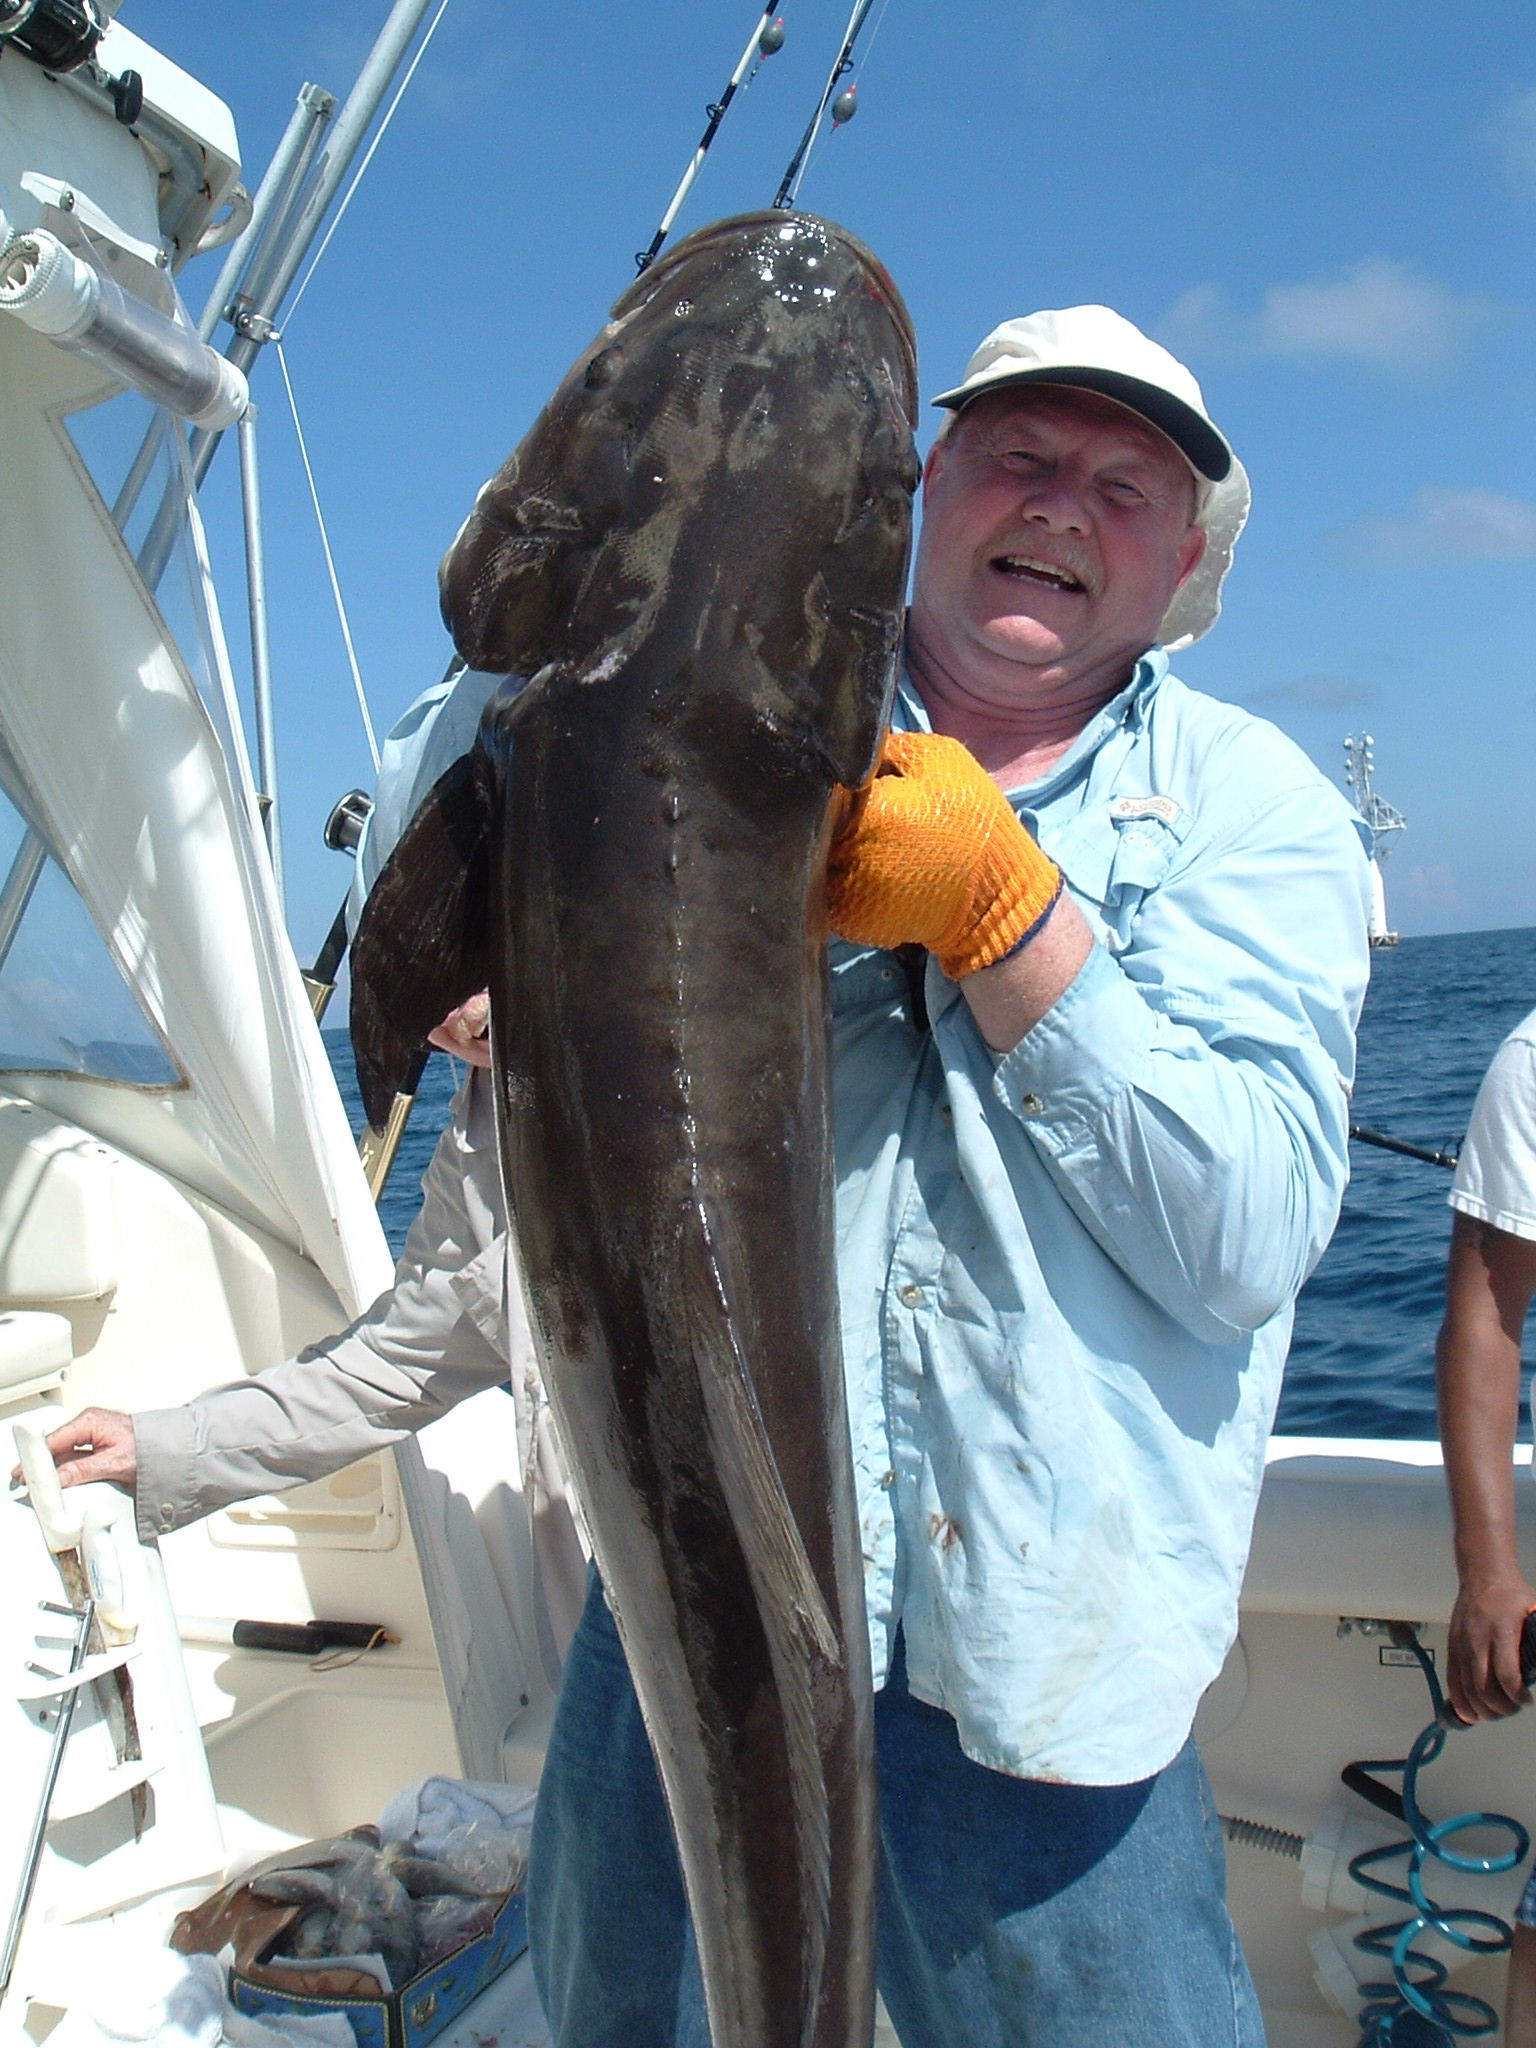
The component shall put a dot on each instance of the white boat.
(180, 1195)
(181, 1203)
(1385, 821)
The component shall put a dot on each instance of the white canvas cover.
(125, 777)
(142, 810)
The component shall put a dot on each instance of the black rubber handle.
(309, 1638)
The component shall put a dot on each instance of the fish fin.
(424, 1877)
(511, 704)
(758, 1503)
(294, 1888)
(420, 948)
(796, 1620)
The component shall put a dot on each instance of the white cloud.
(1379, 313)
(1451, 526)
(1510, 133)
(1432, 891)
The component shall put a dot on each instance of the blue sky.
(1327, 209)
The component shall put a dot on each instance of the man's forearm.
(1009, 1000)
(1478, 1377)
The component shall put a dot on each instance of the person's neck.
(1016, 738)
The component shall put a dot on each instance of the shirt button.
(911, 1296)
(1031, 1104)
(888, 1481)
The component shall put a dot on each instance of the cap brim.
(1195, 438)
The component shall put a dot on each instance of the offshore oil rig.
(1385, 822)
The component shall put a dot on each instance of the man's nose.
(1057, 500)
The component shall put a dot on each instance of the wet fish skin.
(698, 555)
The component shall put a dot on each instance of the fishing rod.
(1389, 1144)
(843, 109)
(766, 39)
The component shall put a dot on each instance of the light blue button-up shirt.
(1068, 1273)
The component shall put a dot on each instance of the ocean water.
(1362, 1359)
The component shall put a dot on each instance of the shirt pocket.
(864, 980)
(1115, 854)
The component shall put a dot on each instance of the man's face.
(1056, 528)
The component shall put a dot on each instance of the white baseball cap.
(1092, 348)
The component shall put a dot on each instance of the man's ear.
(1191, 553)
(934, 463)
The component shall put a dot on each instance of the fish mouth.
(1044, 574)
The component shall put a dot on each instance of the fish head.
(730, 460)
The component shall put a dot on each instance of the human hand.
(930, 852)
(1483, 1658)
(465, 1032)
(98, 1445)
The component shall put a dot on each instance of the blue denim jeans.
(1012, 1913)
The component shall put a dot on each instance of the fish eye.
(604, 367)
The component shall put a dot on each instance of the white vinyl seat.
(35, 1352)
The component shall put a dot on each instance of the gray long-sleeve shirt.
(452, 1324)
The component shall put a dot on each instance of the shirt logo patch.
(1167, 808)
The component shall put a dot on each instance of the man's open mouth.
(1030, 569)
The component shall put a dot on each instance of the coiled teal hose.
(1412, 2008)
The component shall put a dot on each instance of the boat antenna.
(767, 38)
(842, 110)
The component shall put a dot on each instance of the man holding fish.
(1100, 950)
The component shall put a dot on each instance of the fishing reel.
(61, 35)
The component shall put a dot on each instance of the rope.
(330, 560)
(338, 1660)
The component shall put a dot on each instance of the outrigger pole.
(767, 37)
(314, 156)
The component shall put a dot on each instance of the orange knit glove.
(930, 851)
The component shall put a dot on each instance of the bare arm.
(1009, 1000)
(1490, 1279)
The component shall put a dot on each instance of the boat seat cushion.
(58, 1211)
(35, 1349)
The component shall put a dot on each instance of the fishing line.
(766, 38)
(357, 175)
(839, 119)
(330, 560)
(790, 184)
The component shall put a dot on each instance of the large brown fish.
(698, 557)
